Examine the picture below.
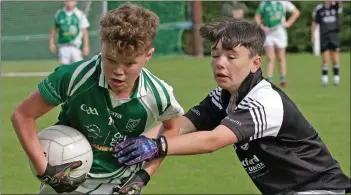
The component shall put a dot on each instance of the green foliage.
(299, 34)
(166, 41)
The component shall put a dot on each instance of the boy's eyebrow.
(107, 55)
(131, 61)
(231, 50)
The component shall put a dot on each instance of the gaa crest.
(131, 124)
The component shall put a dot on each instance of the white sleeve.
(160, 98)
(171, 107)
(257, 116)
(83, 20)
(289, 7)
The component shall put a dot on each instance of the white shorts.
(277, 37)
(68, 54)
(322, 192)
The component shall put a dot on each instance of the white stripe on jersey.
(77, 71)
(85, 77)
(266, 109)
(258, 115)
(215, 97)
(160, 89)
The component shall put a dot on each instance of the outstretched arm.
(186, 126)
(201, 142)
(169, 129)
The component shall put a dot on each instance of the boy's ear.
(256, 64)
(150, 53)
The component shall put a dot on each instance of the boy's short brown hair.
(233, 32)
(130, 29)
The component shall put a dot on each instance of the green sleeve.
(54, 87)
(56, 21)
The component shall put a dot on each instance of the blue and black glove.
(134, 185)
(58, 177)
(135, 150)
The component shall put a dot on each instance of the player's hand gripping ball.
(136, 150)
(58, 177)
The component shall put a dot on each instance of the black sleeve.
(316, 15)
(208, 114)
(241, 123)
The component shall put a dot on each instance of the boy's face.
(70, 4)
(122, 71)
(231, 67)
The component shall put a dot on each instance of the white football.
(64, 144)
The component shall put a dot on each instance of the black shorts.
(330, 42)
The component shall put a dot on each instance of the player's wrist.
(49, 171)
(144, 176)
(162, 146)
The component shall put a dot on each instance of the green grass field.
(328, 109)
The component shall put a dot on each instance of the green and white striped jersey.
(69, 25)
(89, 106)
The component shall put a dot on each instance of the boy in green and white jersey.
(71, 25)
(271, 15)
(109, 97)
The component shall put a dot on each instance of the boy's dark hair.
(234, 32)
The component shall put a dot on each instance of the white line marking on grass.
(25, 74)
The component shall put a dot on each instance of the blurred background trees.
(299, 34)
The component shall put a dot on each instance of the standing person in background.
(72, 27)
(327, 16)
(271, 15)
(234, 10)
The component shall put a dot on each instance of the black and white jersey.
(328, 18)
(279, 149)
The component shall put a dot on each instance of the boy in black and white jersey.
(279, 149)
(327, 17)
